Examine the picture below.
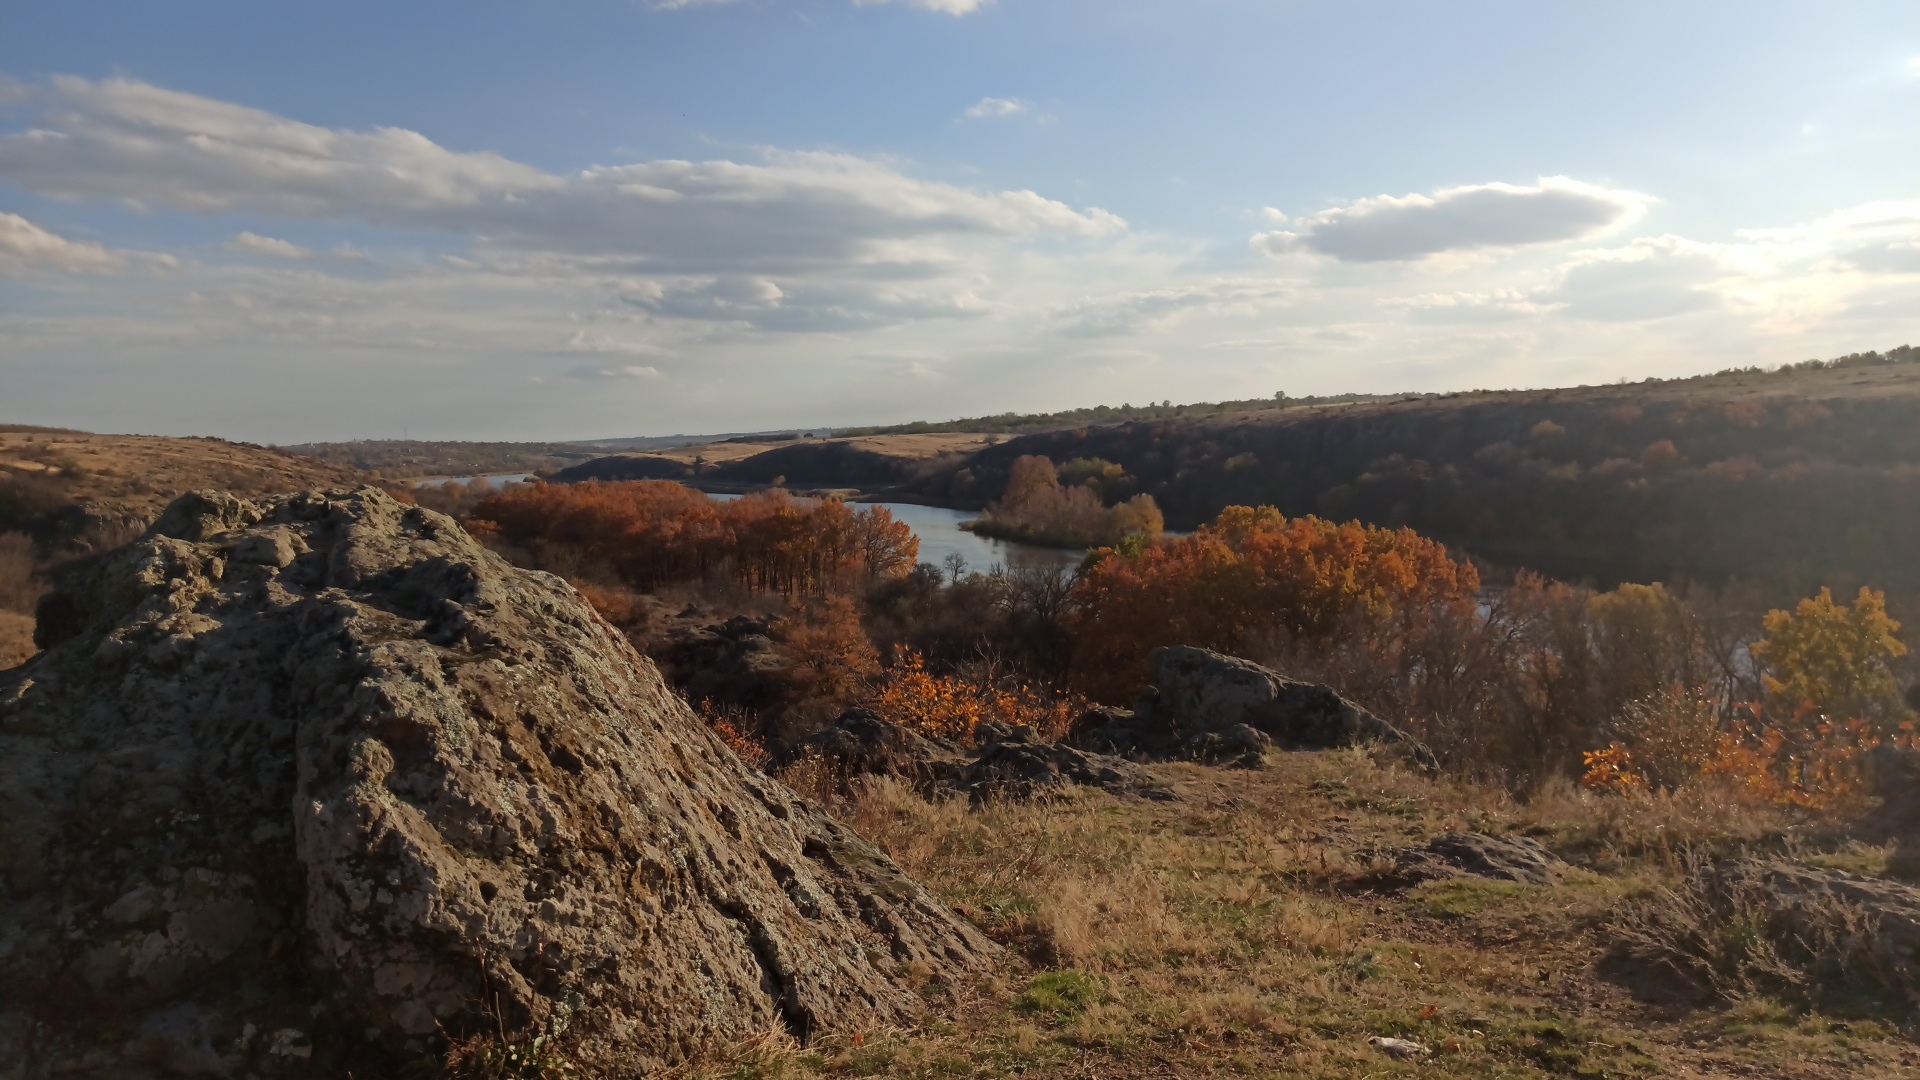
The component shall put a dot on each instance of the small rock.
(1503, 858)
(1398, 1048)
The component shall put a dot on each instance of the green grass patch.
(1060, 994)
(1462, 897)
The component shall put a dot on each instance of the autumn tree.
(1251, 572)
(1833, 659)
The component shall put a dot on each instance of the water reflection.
(941, 536)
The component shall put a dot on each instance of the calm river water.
(941, 535)
(937, 527)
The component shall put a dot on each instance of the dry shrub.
(1738, 932)
(616, 605)
(831, 654)
(952, 706)
(736, 727)
(20, 587)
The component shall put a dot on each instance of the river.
(941, 535)
(937, 527)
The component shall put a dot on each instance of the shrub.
(951, 707)
(1747, 929)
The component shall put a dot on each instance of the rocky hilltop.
(303, 781)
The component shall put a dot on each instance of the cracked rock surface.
(301, 780)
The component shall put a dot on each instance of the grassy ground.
(1240, 931)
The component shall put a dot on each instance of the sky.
(599, 218)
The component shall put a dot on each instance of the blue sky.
(580, 219)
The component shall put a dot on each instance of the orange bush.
(951, 707)
(831, 653)
(1252, 572)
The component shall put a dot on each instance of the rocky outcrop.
(1202, 705)
(863, 743)
(302, 779)
(1005, 762)
(1502, 858)
(731, 663)
(1803, 934)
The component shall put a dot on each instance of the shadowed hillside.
(1798, 476)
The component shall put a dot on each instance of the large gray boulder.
(304, 781)
(1199, 702)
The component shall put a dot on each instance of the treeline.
(651, 533)
(1005, 423)
(1066, 507)
(1731, 479)
(1635, 688)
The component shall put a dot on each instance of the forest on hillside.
(1792, 478)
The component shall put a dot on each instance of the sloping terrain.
(71, 487)
(1270, 923)
(1794, 479)
(869, 463)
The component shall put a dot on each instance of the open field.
(1242, 930)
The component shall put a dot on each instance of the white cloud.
(988, 108)
(1875, 238)
(945, 7)
(121, 139)
(584, 342)
(1651, 278)
(1913, 67)
(631, 371)
(1126, 313)
(1389, 228)
(247, 243)
(27, 248)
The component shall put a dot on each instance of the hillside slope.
(78, 490)
(1796, 478)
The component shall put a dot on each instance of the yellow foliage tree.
(1832, 660)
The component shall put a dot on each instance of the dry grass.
(1739, 935)
(16, 639)
(1234, 932)
(124, 478)
(20, 584)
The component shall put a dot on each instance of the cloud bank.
(125, 140)
(26, 248)
(1389, 228)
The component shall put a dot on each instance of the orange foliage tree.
(656, 532)
(1252, 572)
